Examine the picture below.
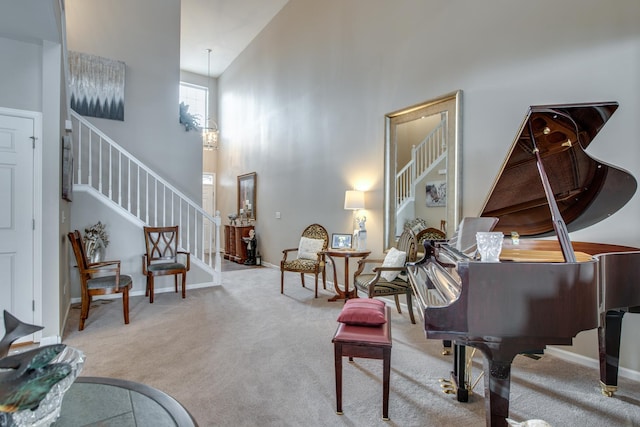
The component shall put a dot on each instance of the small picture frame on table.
(341, 241)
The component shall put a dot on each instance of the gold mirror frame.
(445, 172)
(247, 195)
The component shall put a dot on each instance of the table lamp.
(354, 200)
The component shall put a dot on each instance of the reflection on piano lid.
(586, 190)
(547, 185)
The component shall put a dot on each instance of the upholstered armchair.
(309, 259)
(388, 276)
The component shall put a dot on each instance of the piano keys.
(542, 292)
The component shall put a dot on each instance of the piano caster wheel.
(608, 390)
(446, 351)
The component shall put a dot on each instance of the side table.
(346, 255)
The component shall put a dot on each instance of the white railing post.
(79, 178)
(90, 179)
(100, 165)
(110, 164)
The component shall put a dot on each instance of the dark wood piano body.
(619, 293)
(543, 292)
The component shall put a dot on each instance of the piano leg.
(460, 372)
(446, 347)
(497, 384)
(609, 351)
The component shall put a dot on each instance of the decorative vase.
(95, 250)
(362, 240)
(49, 408)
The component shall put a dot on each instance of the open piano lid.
(586, 190)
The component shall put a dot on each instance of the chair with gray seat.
(99, 278)
(164, 258)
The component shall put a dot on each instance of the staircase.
(110, 173)
(431, 150)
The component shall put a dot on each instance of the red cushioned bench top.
(375, 335)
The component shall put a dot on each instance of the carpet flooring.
(242, 354)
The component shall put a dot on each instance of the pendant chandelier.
(210, 132)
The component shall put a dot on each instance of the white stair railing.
(423, 158)
(129, 185)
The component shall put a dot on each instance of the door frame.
(37, 210)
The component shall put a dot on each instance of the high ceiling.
(224, 26)
(30, 21)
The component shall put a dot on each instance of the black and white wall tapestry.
(97, 86)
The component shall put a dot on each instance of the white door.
(16, 217)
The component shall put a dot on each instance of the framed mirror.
(422, 174)
(247, 195)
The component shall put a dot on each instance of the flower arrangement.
(95, 232)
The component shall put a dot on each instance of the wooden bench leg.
(369, 343)
(386, 371)
(338, 362)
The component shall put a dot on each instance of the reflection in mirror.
(247, 206)
(421, 168)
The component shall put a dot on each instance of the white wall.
(304, 104)
(30, 80)
(145, 35)
(19, 75)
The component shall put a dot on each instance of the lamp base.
(362, 240)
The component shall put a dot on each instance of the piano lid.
(585, 189)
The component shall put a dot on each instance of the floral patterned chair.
(310, 259)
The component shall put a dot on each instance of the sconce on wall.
(210, 132)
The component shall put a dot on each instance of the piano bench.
(371, 342)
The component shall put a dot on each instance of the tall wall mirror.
(247, 196)
(422, 174)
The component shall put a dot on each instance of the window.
(196, 98)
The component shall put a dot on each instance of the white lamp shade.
(354, 200)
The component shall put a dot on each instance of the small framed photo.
(340, 241)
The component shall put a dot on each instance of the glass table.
(110, 401)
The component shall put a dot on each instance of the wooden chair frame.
(161, 257)
(375, 286)
(313, 231)
(100, 284)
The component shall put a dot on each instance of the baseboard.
(157, 291)
(50, 340)
(589, 362)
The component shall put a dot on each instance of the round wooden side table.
(346, 255)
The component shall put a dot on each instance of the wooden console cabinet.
(235, 249)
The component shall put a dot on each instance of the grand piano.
(543, 291)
